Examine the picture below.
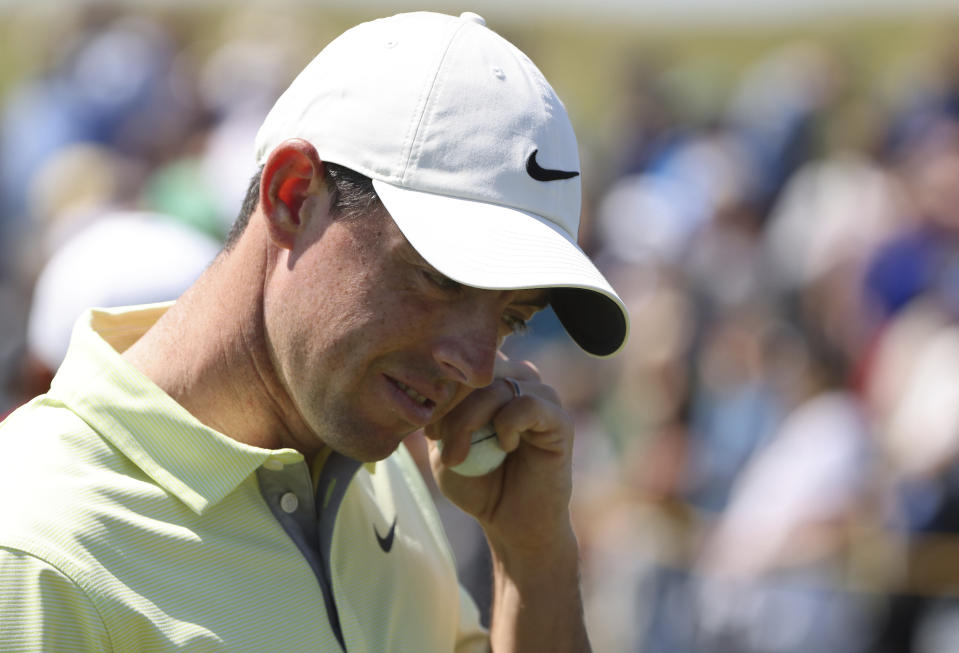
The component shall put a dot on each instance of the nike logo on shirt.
(386, 543)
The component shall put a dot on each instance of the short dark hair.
(351, 195)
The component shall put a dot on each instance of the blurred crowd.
(778, 469)
(770, 466)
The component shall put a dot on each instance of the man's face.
(370, 342)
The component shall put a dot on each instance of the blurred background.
(771, 465)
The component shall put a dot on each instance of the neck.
(209, 352)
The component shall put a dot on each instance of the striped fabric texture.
(127, 525)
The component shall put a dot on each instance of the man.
(225, 473)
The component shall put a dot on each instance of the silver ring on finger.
(514, 386)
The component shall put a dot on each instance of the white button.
(273, 464)
(476, 18)
(289, 502)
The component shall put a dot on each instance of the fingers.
(521, 370)
(514, 404)
(475, 411)
(541, 420)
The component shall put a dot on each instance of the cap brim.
(496, 247)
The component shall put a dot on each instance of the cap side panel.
(420, 116)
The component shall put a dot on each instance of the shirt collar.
(197, 464)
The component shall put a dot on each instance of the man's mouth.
(414, 395)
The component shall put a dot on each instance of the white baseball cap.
(470, 151)
(120, 259)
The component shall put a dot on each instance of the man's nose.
(466, 350)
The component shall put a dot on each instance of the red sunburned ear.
(291, 174)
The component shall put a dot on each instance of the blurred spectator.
(114, 85)
(735, 409)
(120, 259)
(922, 258)
(927, 94)
(832, 216)
(833, 212)
(772, 574)
(778, 108)
(913, 391)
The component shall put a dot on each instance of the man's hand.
(523, 503)
(523, 507)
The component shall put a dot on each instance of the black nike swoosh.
(386, 543)
(545, 174)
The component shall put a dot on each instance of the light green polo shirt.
(127, 525)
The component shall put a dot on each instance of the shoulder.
(47, 611)
(56, 475)
(39, 443)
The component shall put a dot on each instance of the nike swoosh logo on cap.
(386, 543)
(546, 174)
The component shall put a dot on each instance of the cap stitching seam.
(413, 149)
(544, 92)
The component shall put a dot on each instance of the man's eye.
(516, 324)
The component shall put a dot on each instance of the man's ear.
(291, 174)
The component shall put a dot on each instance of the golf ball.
(484, 455)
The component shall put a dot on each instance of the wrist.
(531, 570)
(536, 597)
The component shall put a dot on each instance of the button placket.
(289, 502)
